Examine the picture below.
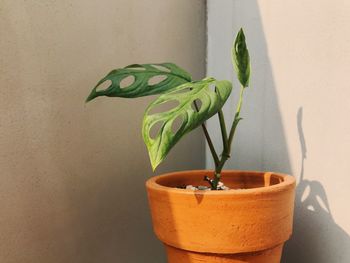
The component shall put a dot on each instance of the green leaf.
(141, 76)
(240, 59)
(185, 95)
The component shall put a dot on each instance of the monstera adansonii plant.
(196, 101)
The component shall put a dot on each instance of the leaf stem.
(223, 130)
(207, 137)
(211, 145)
(227, 142)
(236, 119)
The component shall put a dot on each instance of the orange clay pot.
(249, 224)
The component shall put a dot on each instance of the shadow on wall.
(316, 236)
(261, 141)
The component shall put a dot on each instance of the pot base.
(176, 255)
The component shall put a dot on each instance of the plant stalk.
(236, 119)
(223, 130)
(209, 141)
(211, 145)
(227, 142)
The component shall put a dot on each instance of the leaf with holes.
(186, 94)
(146, 79)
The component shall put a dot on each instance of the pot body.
(247, 224)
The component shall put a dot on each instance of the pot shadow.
(316, 236)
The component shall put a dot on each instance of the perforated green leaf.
(241, 59)
(142, 75)
(200, 91)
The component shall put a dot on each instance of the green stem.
(236, 119)
(211, 145)
(227, 142)
(207, 137)
(218, 169)
(223, 130)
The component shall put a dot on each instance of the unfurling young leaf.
(186, 94)
(142, 76)
(240, 59)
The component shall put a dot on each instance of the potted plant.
(204, 215)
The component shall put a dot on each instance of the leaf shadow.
(316, 236)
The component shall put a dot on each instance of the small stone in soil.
(202, 187)
(221, 186)
(191, 187)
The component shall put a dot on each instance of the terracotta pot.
(249, 224)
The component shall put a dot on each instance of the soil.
(221, 186)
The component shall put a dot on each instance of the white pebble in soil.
(202, 187)
(191, 187)
(221, 186)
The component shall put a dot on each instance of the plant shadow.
(316, 236)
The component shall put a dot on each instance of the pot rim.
(289, 181)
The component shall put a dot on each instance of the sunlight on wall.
(296, 111)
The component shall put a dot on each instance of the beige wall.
(72, 175)
(296, 113)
